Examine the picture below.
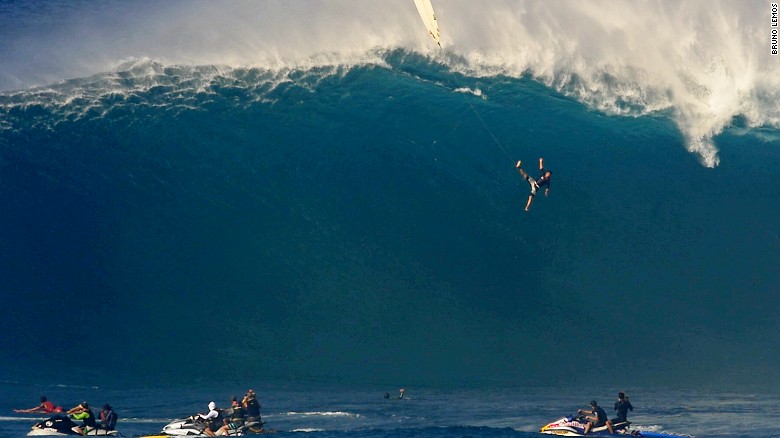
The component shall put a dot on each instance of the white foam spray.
(703, 62)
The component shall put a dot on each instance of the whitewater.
(704, 64)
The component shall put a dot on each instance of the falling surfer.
(536, 184)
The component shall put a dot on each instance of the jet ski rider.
(597, 417)
(84, 413)
(208, 418)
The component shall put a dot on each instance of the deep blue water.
(359, 225)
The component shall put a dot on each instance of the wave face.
(364, 221)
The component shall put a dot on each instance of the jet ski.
(60, 425)
(574, 425)
(192, 426)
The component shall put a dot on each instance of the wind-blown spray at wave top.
(703, 63)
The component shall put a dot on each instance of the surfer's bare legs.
(525, 176)
(541, 163)
(520, 169)
(528, 204)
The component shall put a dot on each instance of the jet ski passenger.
(252, 407)
(597, 417)
(84, 413)
(237, 418)
(209, 418)
(622, 406)
(107, 418)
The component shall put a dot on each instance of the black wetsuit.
(252, 410)
(601, 416)
(622, 407)
(89, 421)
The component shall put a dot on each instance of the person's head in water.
(593, 403)
(621, 395)
(548, 173)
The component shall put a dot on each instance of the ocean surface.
(327, 410)
(285, 192)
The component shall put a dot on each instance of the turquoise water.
(360, 222)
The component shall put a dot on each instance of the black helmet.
(593, 403)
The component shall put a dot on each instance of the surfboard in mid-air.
(425, 8)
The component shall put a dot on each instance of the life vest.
(238, 416)
(108, 418)
(252, 408)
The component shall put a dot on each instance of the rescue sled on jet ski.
(60, 425)
(574, 425)
(192, 426)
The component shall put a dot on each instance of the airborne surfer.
(536, 184)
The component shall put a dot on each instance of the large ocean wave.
(352, 203)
